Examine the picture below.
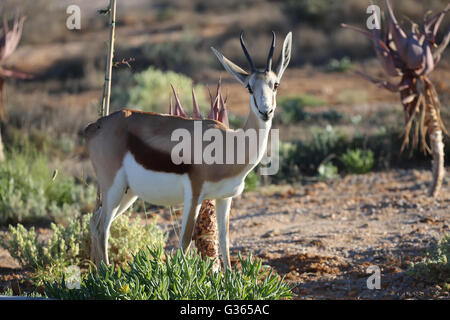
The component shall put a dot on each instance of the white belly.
(226, 188)
(159, 188)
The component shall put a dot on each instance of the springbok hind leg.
(111, 201)
(128, 199)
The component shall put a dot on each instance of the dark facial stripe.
(154, 159)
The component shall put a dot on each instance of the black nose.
(265, 115)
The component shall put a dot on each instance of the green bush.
(30, 191)
(128, 237)
(339, 65)
(435, 266)
(292, 108)
(188, 55)
(327, 171)
(252, 181)
(166, 13)
(152, 91)
(325, 142)
(70, 245)
(156, 275)
(358, 161)
(311, 11)
(288, 170)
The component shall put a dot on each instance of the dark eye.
(275, 86)
(250, 90)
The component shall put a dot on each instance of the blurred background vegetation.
(331, 121)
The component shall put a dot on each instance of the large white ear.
(240, 74)
(285, 56)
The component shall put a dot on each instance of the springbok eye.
(275, 86)
(249, 89)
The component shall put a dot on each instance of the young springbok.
(132, 155)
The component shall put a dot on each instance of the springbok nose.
(265, 115)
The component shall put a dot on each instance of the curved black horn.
(270, 57)
(252, 66)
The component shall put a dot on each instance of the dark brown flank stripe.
(154, 159)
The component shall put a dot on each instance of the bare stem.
(109, 62)
(437, 150)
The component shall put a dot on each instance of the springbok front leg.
(223, 217)
(190, 213)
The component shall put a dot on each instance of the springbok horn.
(270, 57)
(197, 114)
(244, 48)
(178, 108)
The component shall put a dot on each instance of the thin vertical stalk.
(109, 62)
(108, 76)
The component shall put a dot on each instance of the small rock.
(271, 233)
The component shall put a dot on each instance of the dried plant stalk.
(205, 233)
(437, 147)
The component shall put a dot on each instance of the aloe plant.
(9, 41)
(412, 57)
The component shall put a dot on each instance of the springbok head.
(262, 84)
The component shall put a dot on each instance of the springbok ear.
(240, 74)
(285, 56)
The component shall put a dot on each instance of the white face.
(262, 87)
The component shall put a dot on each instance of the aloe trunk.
(437, 147)
(206, 233)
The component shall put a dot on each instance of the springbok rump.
(131, 152)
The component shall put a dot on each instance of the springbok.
(131, 152)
